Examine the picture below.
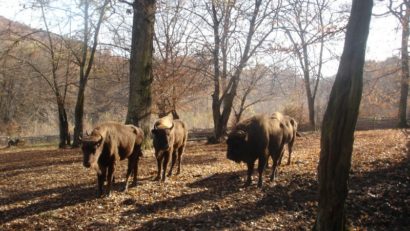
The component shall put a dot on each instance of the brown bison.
(169, 138)
(290, 132)
(256, 138)
(107, 144)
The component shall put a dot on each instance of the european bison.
(109, 143)
(169, 138)
(290, 132)
(256, 138)
(12, 142)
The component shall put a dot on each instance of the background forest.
(273, 80)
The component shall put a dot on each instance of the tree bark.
(404, 85)
(63, 124)
(140, 99)
(340, 120)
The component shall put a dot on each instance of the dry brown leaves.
(50, 190)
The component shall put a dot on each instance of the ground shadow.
(274, 199)
(198, 159)
(215, 189)
(40, 159)
(62, 197)
(382, 195)
(381, 198)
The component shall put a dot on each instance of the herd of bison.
(49, 189)
(256, 138)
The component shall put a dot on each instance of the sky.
(383, 41)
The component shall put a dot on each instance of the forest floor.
(49, 189)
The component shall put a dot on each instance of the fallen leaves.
(50, 190)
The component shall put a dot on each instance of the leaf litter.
(50, 190)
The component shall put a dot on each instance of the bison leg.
(261, 168)
(180, 151)
(110, 176)
(159, 168)
(250, 171)
(131, 167)
(274, 167)
(174, 157)
(165, 164)
(134, 180)
(290, 147)
(100, 181)
(280, 157)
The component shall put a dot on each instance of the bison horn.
(172, 126)
(86, 133)
(99, 141)
(242, 134)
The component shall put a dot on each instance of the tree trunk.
(63, 125)
(306, 75)
(340, 120)
(78, 114)
(140, 100)
(404, 85)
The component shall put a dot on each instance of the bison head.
(162, 136)
(92, 146)
(237, 143)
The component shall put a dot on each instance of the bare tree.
(85, 60)
(402, 12)
(339, 122)
(46, 56)
(256, 86)
(309, 24)
(238, 29)
(177, 80)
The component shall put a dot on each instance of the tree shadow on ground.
(215, 189)
(379, 200)
(198, 159)
(61, 197)
(274, 199)
(19, 160)
(8, 171)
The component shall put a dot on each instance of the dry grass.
(49, 189)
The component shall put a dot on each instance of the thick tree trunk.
(404, 89)
(340, 120)
(63, 125)
(140, 100)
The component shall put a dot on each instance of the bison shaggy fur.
(290, 132)
(169, 139)
(253, 139)
(106, 145)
